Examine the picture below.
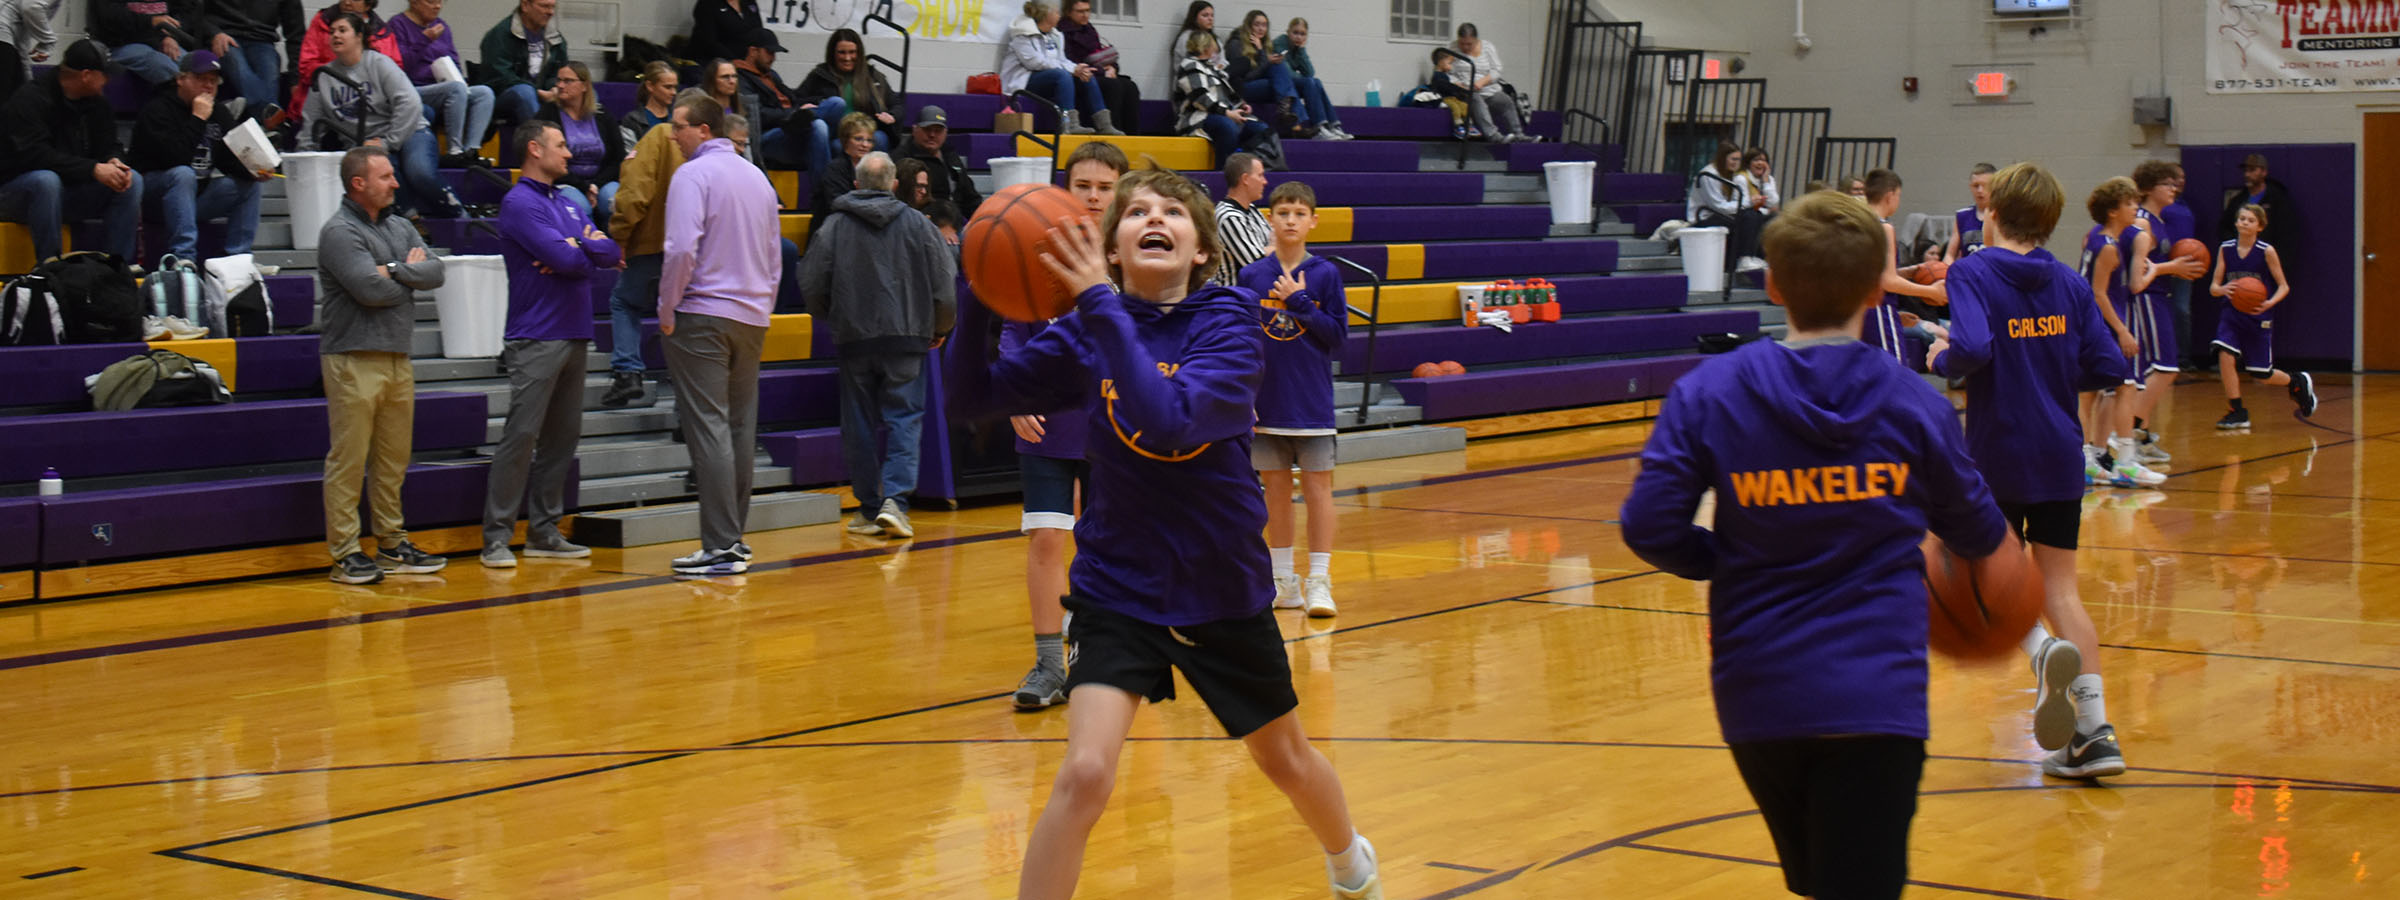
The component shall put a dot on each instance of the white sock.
(2091, 709)
(1320, 564)
(2034, 640)
(1351, 867)
(1282, 558)
(2123, 449)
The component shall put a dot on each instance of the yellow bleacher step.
(16, 248)
(796, 225)
(789, 337)
(1173, 152)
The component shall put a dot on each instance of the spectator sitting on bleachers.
(247, 32)
(914, 184)
(59, 155)
(370, 266)
(1470, 119)
(1207, 103)
(856, 138)
(720, 28)
(142, 34)
(799, 132)
(1035, 60)
(1507, 108)
(1717, 199)
(639, 224)
(596, 150)
(845, 74)
(721, 80)
(1293, 44)
(659, 84)
(382, 111)
(317, 46)
(1758, 183)
(1242, 233)
(929, 140)
(463, 110)
(1255, 66)
(521, 58)
(188, 174)
(25, 38)
(1198, 18)
(1086, 48)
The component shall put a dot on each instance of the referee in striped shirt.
(1241, 228)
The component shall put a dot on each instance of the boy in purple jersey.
(2154, 308)
(1966, 225)
(1169, 574)
(1829, 464)
(2114, 264)
(1306, 317)
(1882, 328)
(2027, 338)
(2250, 339)
(1051, 469)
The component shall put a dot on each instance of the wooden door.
(2379, 293)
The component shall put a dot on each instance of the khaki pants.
(371, 407)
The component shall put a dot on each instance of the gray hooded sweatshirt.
(879, 274)
(393, 110)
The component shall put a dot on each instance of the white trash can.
(1703, 258)
(312, 190)
(473, 304)
(1570, 191)
(1015, 170)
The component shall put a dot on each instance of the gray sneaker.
(356, 569)
(560, 549)
(497, 556)
(895, 521)
(406, 559)
(864, 524)
(1042, 688)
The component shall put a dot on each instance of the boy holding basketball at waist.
(1829, 463)
(1306, 317)
(2249, 337)
(2026, 337)
(2115, 262)
(2154, 308)
(1051, 468)
(1169, 573)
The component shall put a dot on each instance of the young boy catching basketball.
(1307, 317)
(2249, 338)
(2116, 263)
(1050, 466)
(1169, 573)
(2026, 337)
(1829, 464)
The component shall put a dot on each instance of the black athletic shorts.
(1838, 809)
(2051, 523)
(1238, 665)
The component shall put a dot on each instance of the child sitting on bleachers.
(1453, 95)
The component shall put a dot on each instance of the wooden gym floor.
(1518, 707)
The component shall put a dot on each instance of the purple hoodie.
(536, 221)
(1302, 336)
(1829, 465)
(2026, 336)
(1063, 435)
(417, 52)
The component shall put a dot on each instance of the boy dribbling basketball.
(1169, 574)
(2249, 338)
(1829, 464)
(1307, 316)
(2027, 338)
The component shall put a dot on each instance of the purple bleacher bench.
(139, 441)
(1371, 188)
(1423, 223)
(1400, 349)
(20, 532)
(48, 376)
(1646, 217)
(159, 520)
(813, 454)
(1507, 391)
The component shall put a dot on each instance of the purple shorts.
(2250, 337)
(2125, 313)
(2153, 324)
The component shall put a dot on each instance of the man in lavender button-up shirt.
(716, 285)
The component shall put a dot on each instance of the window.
(1117, 10)
(1421, 20)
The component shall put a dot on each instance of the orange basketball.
(1979, 609)
(2190, 248)
(1451, 367)
(1426, 370)
(1928, 273)
(2249, 295)
(1002, 247)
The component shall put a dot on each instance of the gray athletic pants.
(545, 420)
(715, 364)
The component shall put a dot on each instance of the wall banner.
(971, 21)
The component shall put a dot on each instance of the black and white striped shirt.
(1244, 237)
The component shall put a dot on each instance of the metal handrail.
(1056, 115)
(907, 46)
(1373, 314)
(1470, 86)
(1599, 157)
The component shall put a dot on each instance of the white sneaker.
(1749, 264)
(1371, 889)
(1318, 591)
(2093, 471)
(2133, 474)
(1287, 591)
(182, 329)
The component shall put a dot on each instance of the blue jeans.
(635, 296)
(463, 111)
(806, 139)
(1317, 107)
(1228, 136)
(787, 289)
(41, 201)
(145, 62)
(1071, 95)
(608, 203)
(182, 205)
(516, 104)
(254, 72)
(1279, 84)
(883, 396)
(421, 181)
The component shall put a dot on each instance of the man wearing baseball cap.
(928, 142)
(59, 154)
(188, 174)
(798, 132)
(2258, 188)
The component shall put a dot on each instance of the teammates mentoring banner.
(974, 21)
(2287, 46)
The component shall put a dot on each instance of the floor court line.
(1919, 882)
(2306, 559)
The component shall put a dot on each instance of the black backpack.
(83, 297)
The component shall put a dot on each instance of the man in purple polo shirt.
(716, 285)
(552, 250)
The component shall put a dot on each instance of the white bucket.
(1015, 170)
(473, 304)
(1703, 258)
(312, 190)
(1570, 191)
